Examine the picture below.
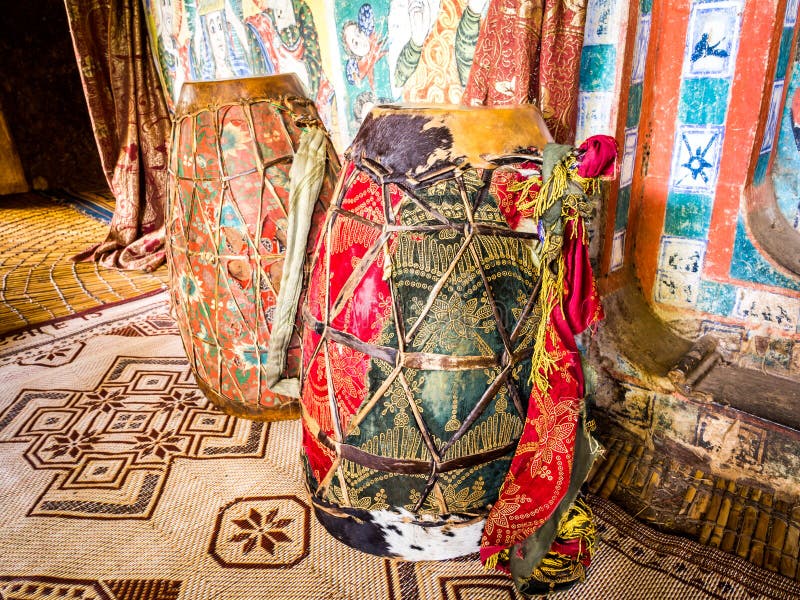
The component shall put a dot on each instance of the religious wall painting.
(594, 113)
(712, 40)
(773, 115)
(283, 38)
(767, 309)
(220, 42)
(203, 40)
(602, 22)
(749, 440)
(404, 51)
(696, 158)
(640, 49)
(168, 30)
(791, 13)
(680, 266)
(729, 336)
(362, 38)
(628, 156)
(618, 250)
(786, 166)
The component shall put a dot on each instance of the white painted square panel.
(602, 22)
(712, 39)
(594, 114)
(767, 309)
(696, 157)
(680, 266)
(628, 157)
(640, 49)
(773, 116)
(618, 250)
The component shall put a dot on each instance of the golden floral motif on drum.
(453, 322)
(472, 180)
(376, 502)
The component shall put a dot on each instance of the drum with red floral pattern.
(233, 144)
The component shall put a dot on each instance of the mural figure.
(220, 42)
(363, 47)
(405, 50)
(284, 39)
(364, 103)
(168, 27)
(421, 15)
(702, 49)
(712, 40)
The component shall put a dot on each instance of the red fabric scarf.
(541, 468)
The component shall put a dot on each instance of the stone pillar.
(696, 220)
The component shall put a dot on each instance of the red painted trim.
(744, 126)
(657, 133)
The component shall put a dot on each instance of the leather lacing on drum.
(398, 357)
(300, 112)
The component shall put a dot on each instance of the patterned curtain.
(529, 51)
(131, 125)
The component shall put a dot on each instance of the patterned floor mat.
(119, 481)
(38, 280)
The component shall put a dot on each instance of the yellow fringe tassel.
(502, 557)
(556, 568)
(572, 190)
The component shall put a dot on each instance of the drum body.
(233, 144)
(419, 325)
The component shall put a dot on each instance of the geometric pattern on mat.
(39, 281)
(52, 588)
(266, 532)
(111, 447)
(229, 516)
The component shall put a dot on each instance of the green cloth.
(305, 182)
(466, 38)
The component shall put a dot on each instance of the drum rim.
(204, 95)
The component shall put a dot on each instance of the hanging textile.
(529, 51)
(131, 125)
(540, 530)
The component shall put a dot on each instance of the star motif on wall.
(697, 163)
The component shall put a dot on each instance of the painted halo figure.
(284, 39)
(220, 43)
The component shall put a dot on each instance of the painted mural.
(404, 51)
(786, 168)
(741, 297)
(374, 51)
(223, 39)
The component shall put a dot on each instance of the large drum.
(250, 166)
(419, 328)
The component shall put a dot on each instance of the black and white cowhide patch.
(400, 533)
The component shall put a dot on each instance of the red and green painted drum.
(233, 146)
(419, 326)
